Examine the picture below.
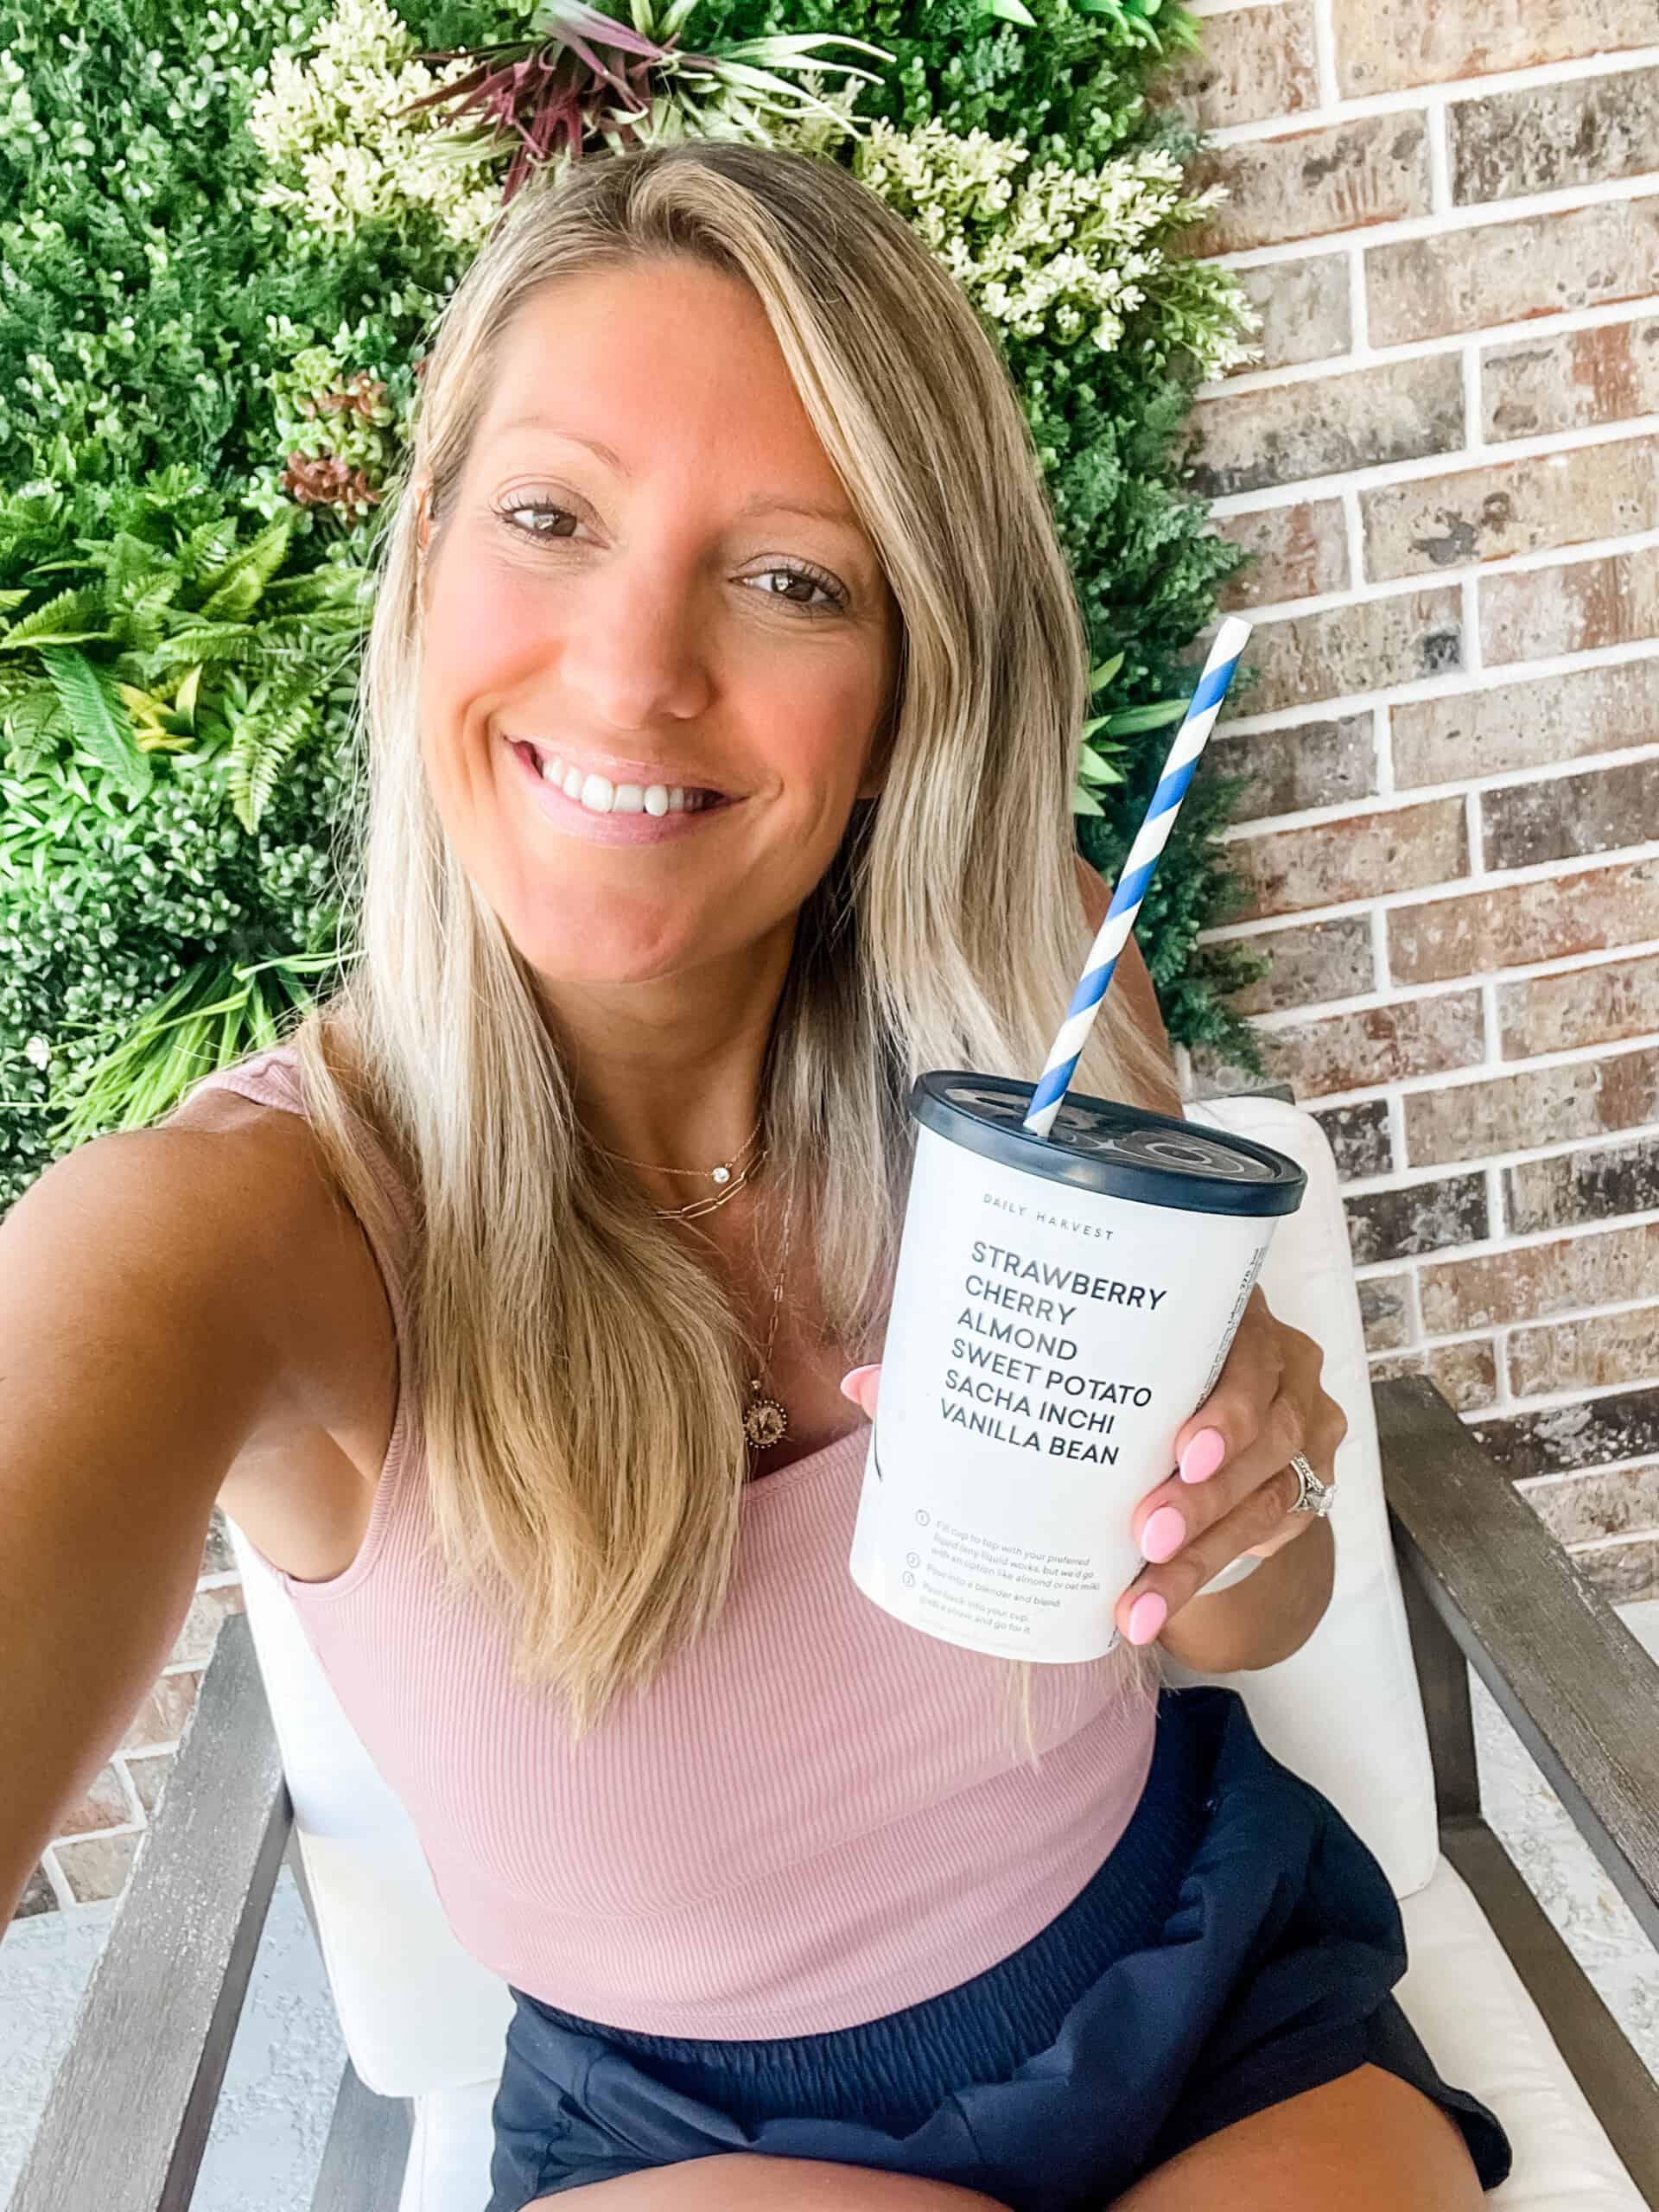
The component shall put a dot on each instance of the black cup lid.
(1095, 1144)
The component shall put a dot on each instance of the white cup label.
(1044, 1345)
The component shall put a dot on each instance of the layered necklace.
(764, 1421)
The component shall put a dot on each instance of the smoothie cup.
(1063, 1304)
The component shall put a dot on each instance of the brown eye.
(832, 594)
(835, 597)
(533, 507)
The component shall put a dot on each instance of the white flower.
(329, 128)
(1060, 250)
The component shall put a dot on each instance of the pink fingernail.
(1146, 1616)
(1164, 1534)
(1203, 1456)
(851, 1380)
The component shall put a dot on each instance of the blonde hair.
(579, 1371)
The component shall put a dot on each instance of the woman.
(723, 697)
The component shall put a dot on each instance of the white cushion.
(1485, 2035)
(416, 2011)
(1344, 1712)
(448, 2168)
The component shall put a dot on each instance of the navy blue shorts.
(1238, 1945)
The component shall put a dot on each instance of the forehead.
(666, 363)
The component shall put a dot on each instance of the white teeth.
(600, 796)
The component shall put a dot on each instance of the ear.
(422, 540)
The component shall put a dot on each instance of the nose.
(631, 655)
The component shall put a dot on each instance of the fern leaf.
(263, 742)
(36, 722)
(231, 643)
(75, 616)
(96, 722)
(234, 590)
(209, 545)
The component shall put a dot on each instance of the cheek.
(479, 639)
(824, 730)
(480, 632)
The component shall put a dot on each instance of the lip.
(571, 815)
(617, 769)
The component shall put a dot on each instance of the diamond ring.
(1312, 1496)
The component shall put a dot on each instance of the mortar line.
(1430, 467)
(1552, 323)
(1440, 160)
(1452, 91)
(1412, 230)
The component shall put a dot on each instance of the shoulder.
(249, 1179)
(1095, 892)
(240, 1147)
(210, 1189)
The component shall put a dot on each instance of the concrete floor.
(279, 2089)
(278, 2095)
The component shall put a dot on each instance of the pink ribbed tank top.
(815, 1815)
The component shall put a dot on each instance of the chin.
(581, 955)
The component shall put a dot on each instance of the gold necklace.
(766, 1421)
(720, 1174)
(697, 1207)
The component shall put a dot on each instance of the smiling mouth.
(598, 794)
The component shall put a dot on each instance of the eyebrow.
(761, 502)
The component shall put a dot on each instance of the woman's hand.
(1233, 1486)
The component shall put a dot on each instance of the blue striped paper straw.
(1150, 840)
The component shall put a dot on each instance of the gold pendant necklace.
(764, 1421)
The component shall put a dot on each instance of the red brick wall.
(1447, 217)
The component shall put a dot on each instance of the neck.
(668, 1072)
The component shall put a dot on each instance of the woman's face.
(658, 616)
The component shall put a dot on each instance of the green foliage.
(179, 636)
(142, 270)
(1074, 85)
(180, 715)
(224, 251)
(107, 904)
(339, 419)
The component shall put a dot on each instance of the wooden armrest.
(1578, 1688)
(130, 2110)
